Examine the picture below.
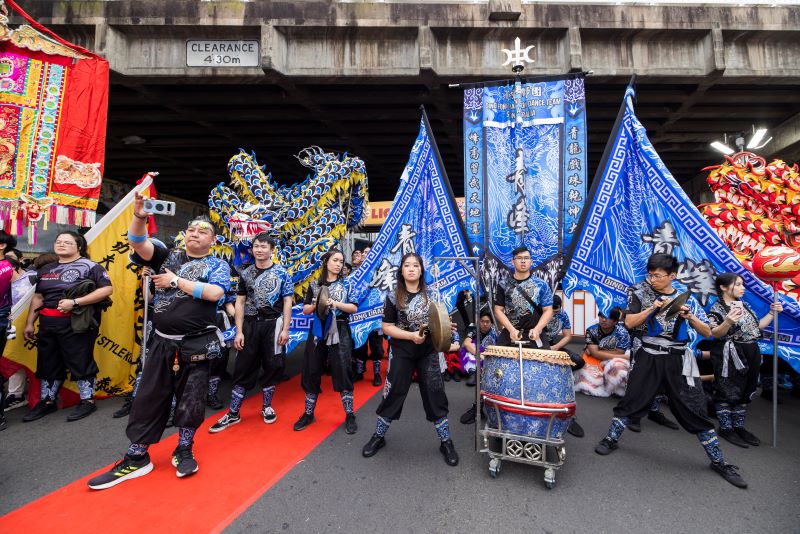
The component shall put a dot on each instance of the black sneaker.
(448, 450)
(184, 462)
(446, 377)
(575, 429)
(213, 402)
(3, 424)
(12, 402)
(127, 469)
(634, 425)
(374, 444)
(268, 415)
(732, 437)
(468, 417)
(125, 409)
(456, 378)
(358, 377)
(84, 409)
(729, 473)
(377, 380)
(227, 420)
(304, 421)
(663, 420)
(606, 447)
(350, 426)
(41, 409)
(472, 380)
(748, 437)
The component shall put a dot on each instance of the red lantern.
(776, 264)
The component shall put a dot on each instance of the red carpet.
(237, 466)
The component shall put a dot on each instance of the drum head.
(439, 326)
(322, 303)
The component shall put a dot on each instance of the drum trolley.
(548, 452)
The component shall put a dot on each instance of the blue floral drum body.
(547, 378)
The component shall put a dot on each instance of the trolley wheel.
(494, 467)
(549, 478)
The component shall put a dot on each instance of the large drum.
(526, 396)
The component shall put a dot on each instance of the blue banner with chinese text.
(638, 209)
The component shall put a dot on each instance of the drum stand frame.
(521, 448)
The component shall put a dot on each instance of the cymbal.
(439, 326)
(322, 303)
(674, 306)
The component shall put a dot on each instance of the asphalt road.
(658, 481)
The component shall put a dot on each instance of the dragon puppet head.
(757, 205)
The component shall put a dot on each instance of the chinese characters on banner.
(118, 344)
(524, 171)
(638, 209)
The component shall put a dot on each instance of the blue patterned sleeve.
(698, 310)
(287, 286)
(565, 322)
(623, 338)
(545, 295)
(219, 274)
(352, 297)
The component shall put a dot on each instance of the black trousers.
(340, 357)
(653, 373)
(405, 358)
(189, 385)
(258, 353)
(739, 386)
(60, 349)
(375, 345)
(3, 326)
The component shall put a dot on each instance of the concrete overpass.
(350, 75)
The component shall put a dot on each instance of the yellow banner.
(117, 347)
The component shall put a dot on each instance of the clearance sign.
(378, 211)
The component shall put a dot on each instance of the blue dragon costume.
(306, 219)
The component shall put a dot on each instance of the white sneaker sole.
(270, 421)
(220, 429)
(142, 471)
(181, 475)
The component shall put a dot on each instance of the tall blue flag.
(524, 170)
(424, 219)
(637, 209)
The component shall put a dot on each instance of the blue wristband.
(197, 291)
(133, 238)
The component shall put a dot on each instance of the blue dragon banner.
(638, 209)
(424, 219)
(524, 171)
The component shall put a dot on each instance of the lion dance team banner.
(118, 344)
(524, 171)
(638, 209)
(53, 111)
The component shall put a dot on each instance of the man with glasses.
(663, 360)
(189, 286)
(524, 304)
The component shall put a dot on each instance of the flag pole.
(775, 368)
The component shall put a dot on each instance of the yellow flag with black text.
(118, 344)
